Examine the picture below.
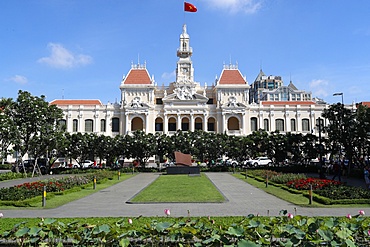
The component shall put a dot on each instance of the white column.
(127, 121)
(243, 130)
(192, 122)
(223, 122)
(178, 121)
(165, 123)
(146, 123)
(205, 121)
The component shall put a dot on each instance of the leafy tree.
(141, 146)
(7, 127)
(36, 123)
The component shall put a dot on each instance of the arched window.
(172, 124)
(266, 124)
(233, 123)
(158, 124)
(137, 124)
(211, 125)
(253, 124)
(198, 125)
(305, 124)
(185, 124)
(115, 124)
(293, 126)
(279, 124)
(89, 124)
(75, 125)
(103, 126)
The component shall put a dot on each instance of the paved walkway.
(242, 199)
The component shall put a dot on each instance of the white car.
(87, 164)
(260, 161)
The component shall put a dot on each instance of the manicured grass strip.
(297, 199)
(180, 188)
(59, 200)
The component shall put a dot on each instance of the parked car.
(28, 166)
(259, 161)
(87, 164)
(232, 163)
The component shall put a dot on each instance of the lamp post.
(339, 94)
(341, 123)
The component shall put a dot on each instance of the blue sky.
(80, 49)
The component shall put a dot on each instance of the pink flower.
(349, 216)
(167, 212)
(290, 216)
(361, 212)
(129, 221)
(368, 232)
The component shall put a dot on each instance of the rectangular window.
(198, 126)
(292, 125)
(88, 125)
(158, 126)
(211, 126)
(185, 126)
(75, 125)
(158, 101)
(115, 125)
(279, 124)
(171, 126)
(102, 125)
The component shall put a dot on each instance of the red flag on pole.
(189, 7)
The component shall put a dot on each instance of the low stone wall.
(183, 170)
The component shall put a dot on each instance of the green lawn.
(180, 188)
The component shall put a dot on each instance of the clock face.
(185, 70)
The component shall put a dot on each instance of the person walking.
(337, 170)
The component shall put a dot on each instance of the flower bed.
(316, 183)
(33, 189)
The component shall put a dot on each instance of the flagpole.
(183, 9)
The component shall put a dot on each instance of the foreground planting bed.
(252, 230)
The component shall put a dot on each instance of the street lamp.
(341, 123)
(339, 94)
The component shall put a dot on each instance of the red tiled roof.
(231, 76)
(137, 76)
(365, 104)
(279, 103)
(76, 102)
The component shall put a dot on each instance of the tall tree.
(7, 128)
(36, 123)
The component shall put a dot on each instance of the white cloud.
(169, 76)
(60, 57)
(18, 79)
(319, 88)
(234, 6)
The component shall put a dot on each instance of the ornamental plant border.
(317, 198)
(49, 195)
(252, 230)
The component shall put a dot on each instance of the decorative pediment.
(233, 103)
(136, 103)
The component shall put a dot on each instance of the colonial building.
(229, 106)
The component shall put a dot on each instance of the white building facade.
(229, 106)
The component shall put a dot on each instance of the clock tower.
(184, 70)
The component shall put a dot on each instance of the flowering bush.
(33, 189)
(317, 183)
